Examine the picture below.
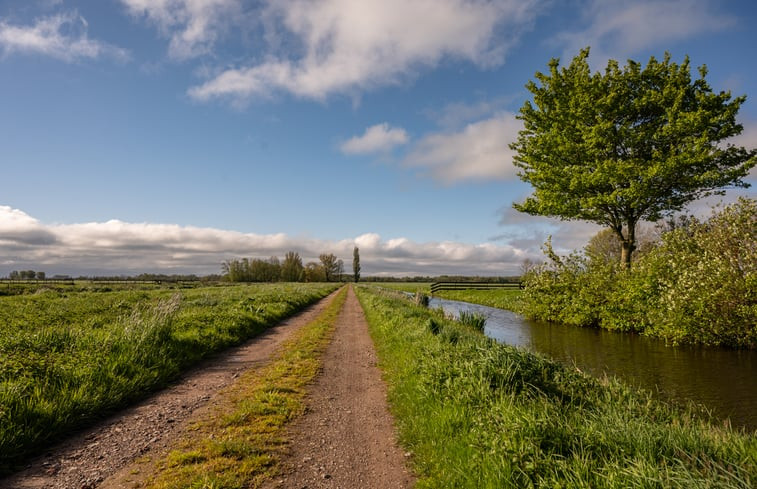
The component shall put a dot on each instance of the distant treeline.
(162, 277)
(329, 268)
(291, 269)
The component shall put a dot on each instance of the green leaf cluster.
(630, 144)
(698, 285)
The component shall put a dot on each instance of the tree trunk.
(625, 254)
(628, 244)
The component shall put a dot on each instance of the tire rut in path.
(346, 439)
(92, 455)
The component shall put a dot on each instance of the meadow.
(69, 357)
(405, 286)
(478, 414)
(499, 298)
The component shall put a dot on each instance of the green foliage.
(314, 272)
(255, 270)
(356, 264)
(332, 267)
(291, 268)
(626, 145)
(474, 320)
(699, 285)
(68, 358)
(477, 414)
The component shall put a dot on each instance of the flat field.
(69, 357)
(413, 287)
(499, 298)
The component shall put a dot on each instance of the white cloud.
(528, 233)
(193, 26)
(457, 114)
(61, 36)
(480, 151)
(117, 247)
(347, 46)
(617, 28)
(748, 137)
(378, 138)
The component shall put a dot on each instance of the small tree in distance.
(356, 264)
(626, 145)
(330, 266)
(291, 267)
(313, 272)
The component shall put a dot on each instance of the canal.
(723, 380)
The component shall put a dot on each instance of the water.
(723, 380)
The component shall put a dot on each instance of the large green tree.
(630, 144)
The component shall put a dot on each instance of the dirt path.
(91, 456)
(346, 439)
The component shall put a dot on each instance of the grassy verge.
(236, 445)
(482, 415)
(502, 299)
(69, 358)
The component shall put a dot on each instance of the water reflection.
(723, 380)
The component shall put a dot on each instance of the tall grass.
(69, 358)
(475, 320)
(477, 414)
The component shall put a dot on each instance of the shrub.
(698, 285)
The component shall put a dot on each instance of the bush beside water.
(477, 414)
(698, 285)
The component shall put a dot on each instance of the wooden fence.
(437, 286)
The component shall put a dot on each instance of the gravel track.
(346, 439)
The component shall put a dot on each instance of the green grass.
(238, 444)
(474, 320)
(499, 298)
(477, 414)
(67, 358)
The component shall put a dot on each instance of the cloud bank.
(116, 247)
(344, 46)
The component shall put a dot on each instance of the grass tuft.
(474, 320)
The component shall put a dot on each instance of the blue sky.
(170, 135)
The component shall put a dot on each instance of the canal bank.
(722, 380)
